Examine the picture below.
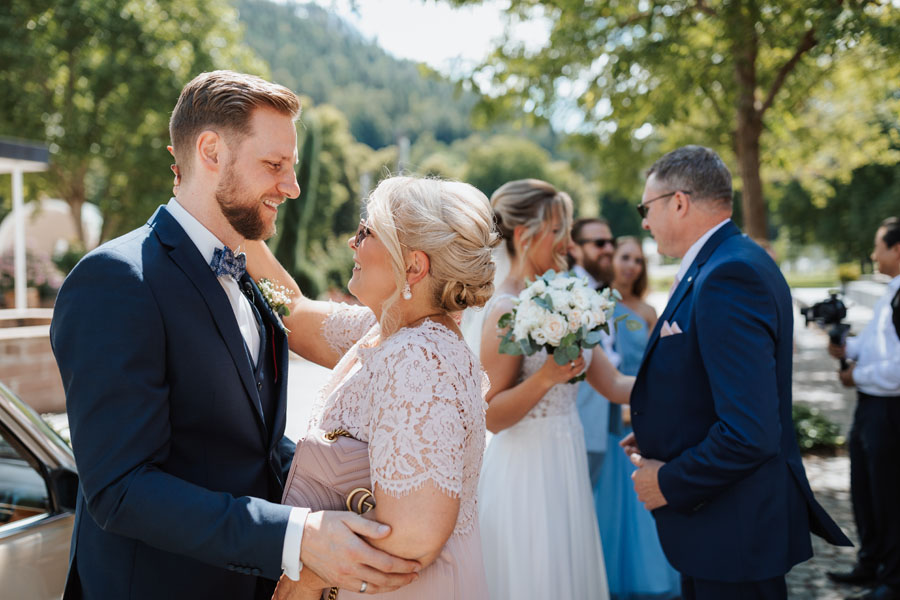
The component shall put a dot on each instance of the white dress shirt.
(877, 350)
(583, 273)
(694, 250)
(206, 242)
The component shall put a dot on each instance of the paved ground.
(815, 384)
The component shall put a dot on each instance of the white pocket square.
(666, 330)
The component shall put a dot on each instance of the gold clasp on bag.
(363, 505)
(332, 435)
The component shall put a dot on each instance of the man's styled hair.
(891, 235)
(223, 101)
(583, 222)
(697, 170)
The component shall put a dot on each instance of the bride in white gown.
(538, 525)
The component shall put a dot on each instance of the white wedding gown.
(539, 531)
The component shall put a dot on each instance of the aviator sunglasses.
(362, 232)
(598, 243)
(642, 206)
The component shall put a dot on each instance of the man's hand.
(629, 444)
(847, 376)
(837, 351)
(333, 549)
(646, 481)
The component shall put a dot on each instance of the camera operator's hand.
(846, 376)
(837, 351)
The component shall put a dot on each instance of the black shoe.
(882, 592)
(857, 576)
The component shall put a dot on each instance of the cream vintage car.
(38, 487)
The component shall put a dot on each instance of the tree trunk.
(71, 186)
(749, 128)
(749, 124)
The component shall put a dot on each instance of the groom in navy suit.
(718, 463)
(175, 371)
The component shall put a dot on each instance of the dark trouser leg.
(861, 485)
(701, 589)
(881, 442)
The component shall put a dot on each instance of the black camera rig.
(829, 314)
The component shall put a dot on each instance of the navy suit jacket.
(180, 476)
(714, 403)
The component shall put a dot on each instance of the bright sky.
(451, 40)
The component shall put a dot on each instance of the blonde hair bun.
(451, 222)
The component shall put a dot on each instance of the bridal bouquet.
(560, 313)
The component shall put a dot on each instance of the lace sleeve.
(345, 325)
(418, 427)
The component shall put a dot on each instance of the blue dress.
(636, 567)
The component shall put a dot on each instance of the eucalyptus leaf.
(527, 348)
(544, 302)
(508, 346)
(593, 337)
(505, 320)
(561, 356)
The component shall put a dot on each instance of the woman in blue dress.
(636, 567)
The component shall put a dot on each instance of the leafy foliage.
(383, 98)
(646, 77)
(813, 430)
(97, 79)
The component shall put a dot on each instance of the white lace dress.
(538, 525)
(417, 398)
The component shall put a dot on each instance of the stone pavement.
(816, 384)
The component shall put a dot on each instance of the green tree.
(313, 229)
(97, 79)
(503, 158)
(719, 72)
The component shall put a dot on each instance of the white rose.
(599, 317)
(560, 283)
(581, 298)
(529, 317)
(588, 320)
(560, 299)
(537, 288)
(554, 329)
(576, 318)
(539, 337)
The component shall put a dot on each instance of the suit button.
(259, 385)
(231, 567)
(254, 571)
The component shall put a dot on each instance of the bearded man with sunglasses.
(718, 462)
(591, 251)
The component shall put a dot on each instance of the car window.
(23, 491)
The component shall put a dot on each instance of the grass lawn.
(816, 280)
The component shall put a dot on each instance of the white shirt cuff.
(293, 537)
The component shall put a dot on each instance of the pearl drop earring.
(407, 292)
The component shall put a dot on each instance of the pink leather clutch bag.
(330, 471)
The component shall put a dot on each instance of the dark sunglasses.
(598, 242)
(642, 206)
(362, 232)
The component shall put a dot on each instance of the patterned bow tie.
(224, 262)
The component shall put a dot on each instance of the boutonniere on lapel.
(278, 297)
